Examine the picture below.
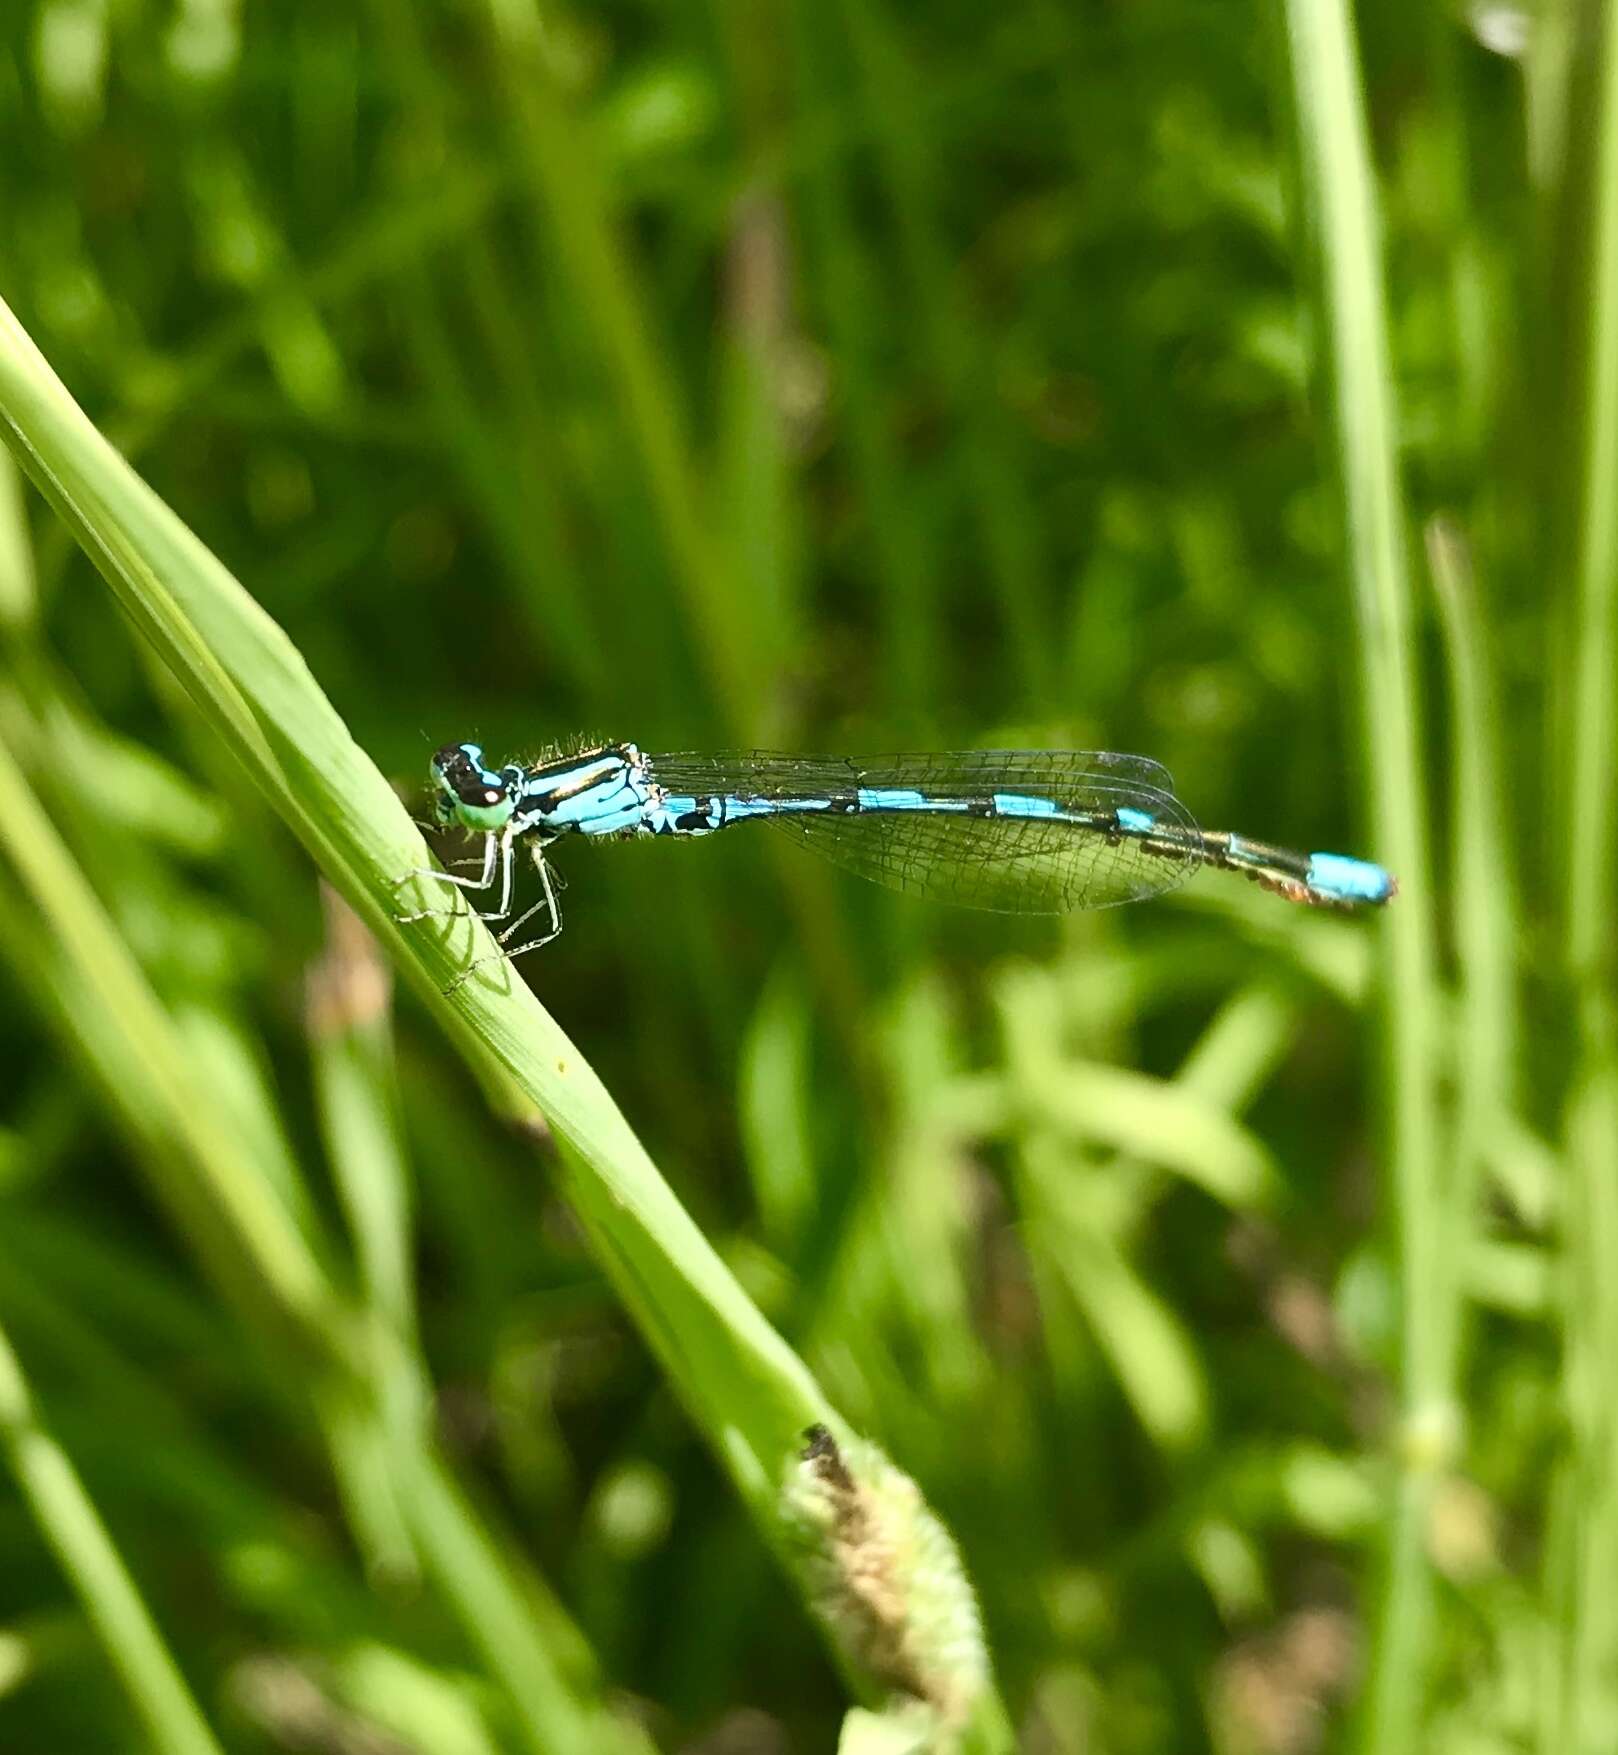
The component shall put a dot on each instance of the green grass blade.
(70, 1523)
(19, 590)
(1592, 827)
(1340, 197)
(1589, 1634)
(1486, 918)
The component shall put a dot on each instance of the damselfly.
(1040, 832)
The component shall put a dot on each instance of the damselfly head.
(468, 793)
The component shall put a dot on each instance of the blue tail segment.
(1021, 831)
(1350, 880)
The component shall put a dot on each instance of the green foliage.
(1230, 1285)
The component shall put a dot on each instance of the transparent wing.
(773, 774)
(1012, 864)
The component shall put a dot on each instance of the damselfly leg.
(547, 903)
(551, 882)
(499, 849)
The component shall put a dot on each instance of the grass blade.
(70, 1523)
(1589, 1635)
(1340, 199)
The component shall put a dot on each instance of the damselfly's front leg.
(495, 847)
(553, 915)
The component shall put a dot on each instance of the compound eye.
(470, 793)
(471, 783)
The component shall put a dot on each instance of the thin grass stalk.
(71, 1525)
(1340, 198)
(1560, 1560)
(1484, 880)
(1590, 1652)
(1592, 829)
(1548, 72)
(19, 590)
(1587, 1612)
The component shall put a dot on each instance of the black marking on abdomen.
(703, 817)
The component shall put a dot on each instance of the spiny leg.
(508, 848)
(483, 881)
(547, 901)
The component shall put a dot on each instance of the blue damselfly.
(1021, 831)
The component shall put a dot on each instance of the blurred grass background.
(1235, 1282)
